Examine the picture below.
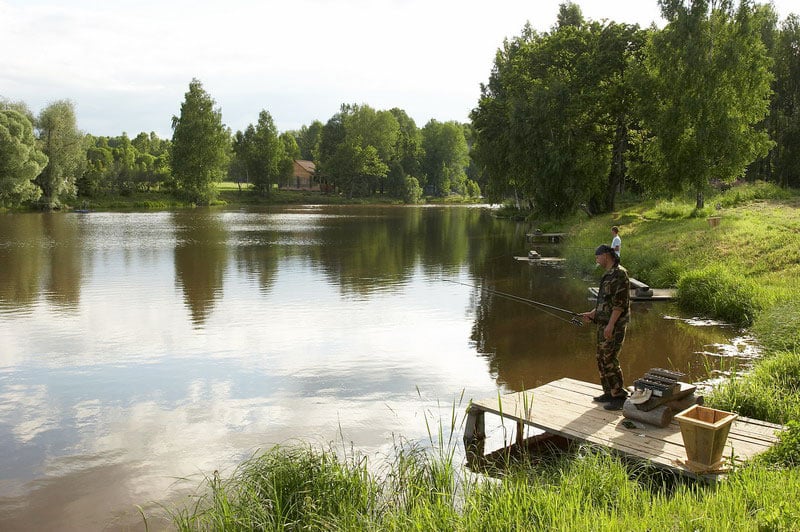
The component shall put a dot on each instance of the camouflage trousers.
(608, 359)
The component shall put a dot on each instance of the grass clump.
(771, 391)
(778, 328)
(715, 291)
(286, 488)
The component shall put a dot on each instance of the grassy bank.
(300, 488)
(745, 270)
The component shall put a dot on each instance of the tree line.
(360, 151)
(569, 118)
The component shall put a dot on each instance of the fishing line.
(575, 320)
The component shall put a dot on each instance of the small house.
(302, 176)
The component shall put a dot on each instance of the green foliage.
(412, 192)
(62, 143)
(356, 147)
(262, 156)
(715, 291)
(770, 392)
(20, 159)
(778, 327)
(200, 146)
(704, 85)
(553, 122)
(445, 158)
(584, 489)
(749, 192)
(786, 453)
(119, 165)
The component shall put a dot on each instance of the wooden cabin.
(302, 176)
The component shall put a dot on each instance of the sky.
(127, 64)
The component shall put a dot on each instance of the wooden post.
(474, 433)
(520, 432)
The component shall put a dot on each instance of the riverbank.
(744, 267)
(232, 195)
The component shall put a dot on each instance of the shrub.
(412, 193)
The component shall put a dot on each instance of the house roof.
(308, 166)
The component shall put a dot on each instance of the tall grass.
(584, 489)
(770, 392)
(716, 291)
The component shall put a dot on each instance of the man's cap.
(603, 248)
(641, 396)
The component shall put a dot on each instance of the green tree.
(356, 145)
(407, 155)
(554, 115)
(268, 153)
(446, 157)
(706, 84)
(96, 178)
(20, 159)
(308, 140)
(786, 104)
(62, 142)
(291, 152)
(200, 146)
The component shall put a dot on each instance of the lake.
(139, 349)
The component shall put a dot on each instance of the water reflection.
(139, 348)
(201, 257)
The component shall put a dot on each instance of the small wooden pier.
(564, 408)
(642, 292)
(548, 238)
(550, 261)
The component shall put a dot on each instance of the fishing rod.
(575, 317)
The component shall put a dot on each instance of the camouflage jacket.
(614, 292)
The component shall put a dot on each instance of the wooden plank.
(565, 408)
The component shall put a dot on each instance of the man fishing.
(611, 314)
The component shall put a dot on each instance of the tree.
(705, 84)
(200, 145)
(291, 153)
(20, 159)
(308, 140)
(786, 120)
(99, 168)
(261, 154)
(554, 115)
(446, 157)
(62, 142)
(356, 145)
(407, 155)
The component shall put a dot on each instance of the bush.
(718, 293)
(412, 192)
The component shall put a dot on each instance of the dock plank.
(565, 408)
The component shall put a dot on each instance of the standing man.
(616, 242)
(611, 314)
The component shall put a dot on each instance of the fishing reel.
(576, 320)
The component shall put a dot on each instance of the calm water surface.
(141, 348)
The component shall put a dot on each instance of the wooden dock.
(549, 238)
(565, 408)
(551, 261)
(642, 292)
(655, 294)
